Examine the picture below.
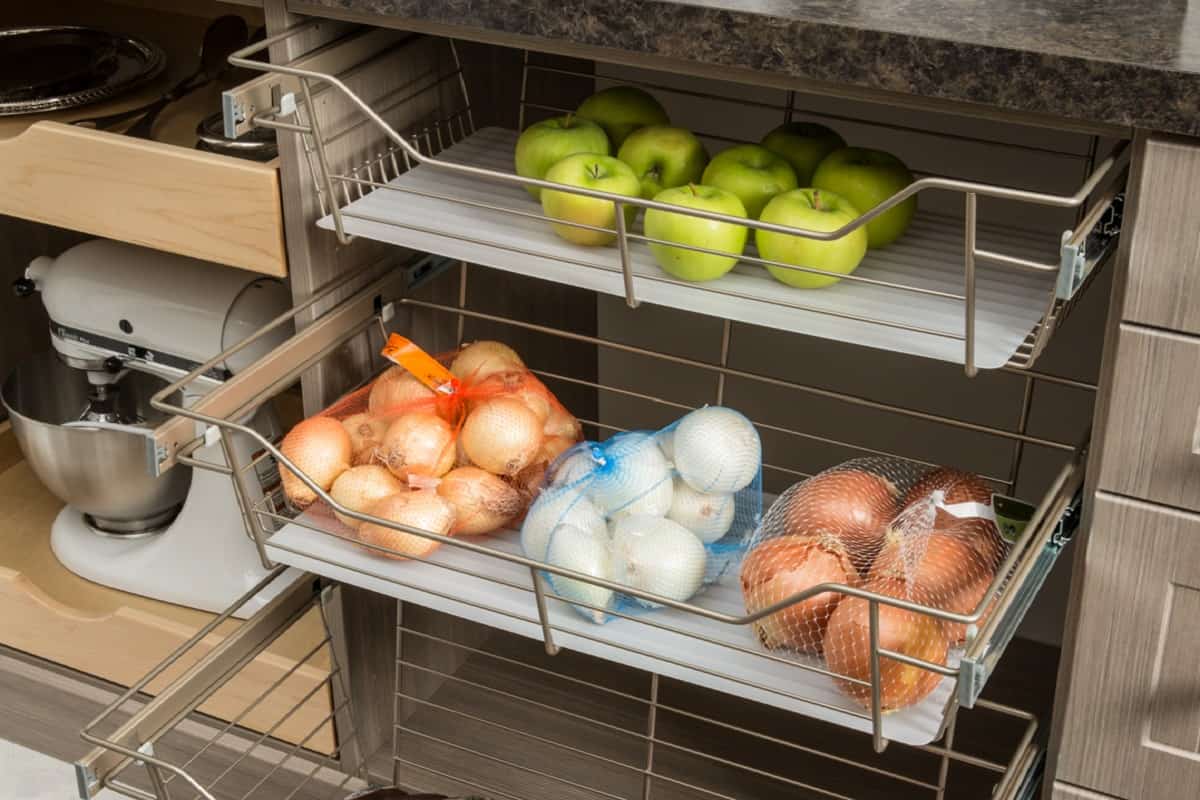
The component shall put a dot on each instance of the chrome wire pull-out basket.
(707, 642)
(953, 288)
(306, 747)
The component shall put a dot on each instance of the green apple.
(697, 232)
(545, 143)
(803, 145)
(663, 157)
(601, 174)
(753, 173)
(814, 210)
(621, 110)
(866, 178)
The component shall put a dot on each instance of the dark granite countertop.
(1132, 63)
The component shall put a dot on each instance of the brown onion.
(366, 434)
(423, 510)
(959, 486)
(851, 504)
(418, 444)
(482, 502)
(502, 436)
(963, 600)
(479, 360)
(320, 448)
(848, 647)
(779, 568)
(398, 391)
(360, 487)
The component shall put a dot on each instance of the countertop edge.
(1106, 94)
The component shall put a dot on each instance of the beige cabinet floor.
(52, 613)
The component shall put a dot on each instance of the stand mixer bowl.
(100, 469)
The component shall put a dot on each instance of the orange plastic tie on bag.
(423, 366)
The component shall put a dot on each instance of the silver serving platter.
(52, 67)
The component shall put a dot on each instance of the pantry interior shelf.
(952, 288)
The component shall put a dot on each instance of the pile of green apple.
(801, 175)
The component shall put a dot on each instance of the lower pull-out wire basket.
(485, 713)
(165, 747)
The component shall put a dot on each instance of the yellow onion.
(360, 487)
(419, 444)
(502, 436)
(320, 448)
(397, 391)
(482, 501)
(517, 384)
(478, 360)
(423, 510)
(848, 647)
(562, 423)
(366, 434)
(780, 568)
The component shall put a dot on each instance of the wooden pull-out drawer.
(205, 205)
(1152, 438)
(1131, 725)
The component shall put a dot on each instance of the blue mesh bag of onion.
(664, 513)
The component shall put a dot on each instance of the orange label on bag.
(424, 366)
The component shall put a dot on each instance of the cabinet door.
(1164, 261)
(1131, 725)
(1152, 446)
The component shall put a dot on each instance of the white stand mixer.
(116, 308)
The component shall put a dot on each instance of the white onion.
(633, 466)
(657, 556)
(655, 502)
(502, 436)
(709, 516)
(562, 423)
(482, 502)
(477, 361)
(575, 466)
(360, 487)
(418, 444)
(666, 443)
(366, 434)
(397, 391)
(554, 508)
(585, 551)
(717, 450)
(423, 510)
(320, 448)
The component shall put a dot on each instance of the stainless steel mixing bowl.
(101, 471)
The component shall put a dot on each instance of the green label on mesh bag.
(1012, 516)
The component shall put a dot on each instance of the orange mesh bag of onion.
(456, 444)
(921, 535)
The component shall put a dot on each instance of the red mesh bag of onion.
(454, 445)
(927, 536)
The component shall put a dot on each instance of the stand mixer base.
(164, 567)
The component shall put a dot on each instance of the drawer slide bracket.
(975, 670)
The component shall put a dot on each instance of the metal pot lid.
(258, 143)
(52, 67)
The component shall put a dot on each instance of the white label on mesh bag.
(963, 510)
